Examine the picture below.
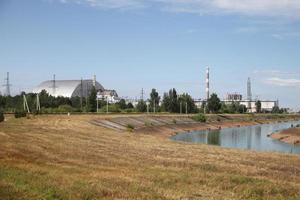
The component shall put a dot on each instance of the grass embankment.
(60, 157)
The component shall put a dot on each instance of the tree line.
(171, 102)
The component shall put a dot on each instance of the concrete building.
(233, 97)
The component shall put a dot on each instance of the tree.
(154, 99)
(170, 101)
(258, 106)
(186, 100)
(276, 109)
(93, 100)
(214, 103)
(129, 105)
(141, 106)
(122, 104)
(1, 116)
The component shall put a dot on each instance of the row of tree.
(171, 102)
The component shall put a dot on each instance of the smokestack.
(207, 83)
(249, 93)
(94, 81)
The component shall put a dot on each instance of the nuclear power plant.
(266, 105)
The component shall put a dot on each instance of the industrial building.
(76, 88)
(266, 105)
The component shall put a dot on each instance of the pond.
(248, 137)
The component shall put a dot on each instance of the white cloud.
(109, 4)
(287, 8)
(283, 82)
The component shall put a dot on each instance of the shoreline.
(166, 131)
(290, 136)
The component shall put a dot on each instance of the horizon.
(130, 45)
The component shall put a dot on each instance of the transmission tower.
(142, 94)
(7, 85)
(53, 85)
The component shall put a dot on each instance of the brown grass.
(60, 157)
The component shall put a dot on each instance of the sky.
(162, 44)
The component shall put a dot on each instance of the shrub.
(129, 110)
(200, 117)
(19, 114)
(64, 108)
(1, 116)
(130, 127)
(174, 121)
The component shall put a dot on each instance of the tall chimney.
(249, 93)
(207, 83)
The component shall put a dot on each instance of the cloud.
(283, 82)
(287, 8)
(109, 4)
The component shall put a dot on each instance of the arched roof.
(68, 88)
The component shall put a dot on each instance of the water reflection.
(251, 137)
(213, 137)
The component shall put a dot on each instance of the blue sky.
(134, 44)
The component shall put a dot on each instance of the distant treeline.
(171, 102)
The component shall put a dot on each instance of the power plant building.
(238, 98)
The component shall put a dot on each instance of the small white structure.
(109, 95)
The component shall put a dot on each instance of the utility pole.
(106, 105)
(186, 108)
(38, 105)
(147, 103)
(81, 94)
(86, 97)
(180, 107)
(25, 104)
(97, 103)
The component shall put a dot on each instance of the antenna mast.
(142, 94)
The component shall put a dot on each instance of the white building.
(109, 95)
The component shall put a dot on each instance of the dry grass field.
(61, 157)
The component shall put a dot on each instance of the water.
(249, 137)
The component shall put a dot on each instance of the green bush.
(1, 116)
(130, 127)
(65, 108)
(112, 108)
(19, 114)
(129, 110)
(200, 117)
